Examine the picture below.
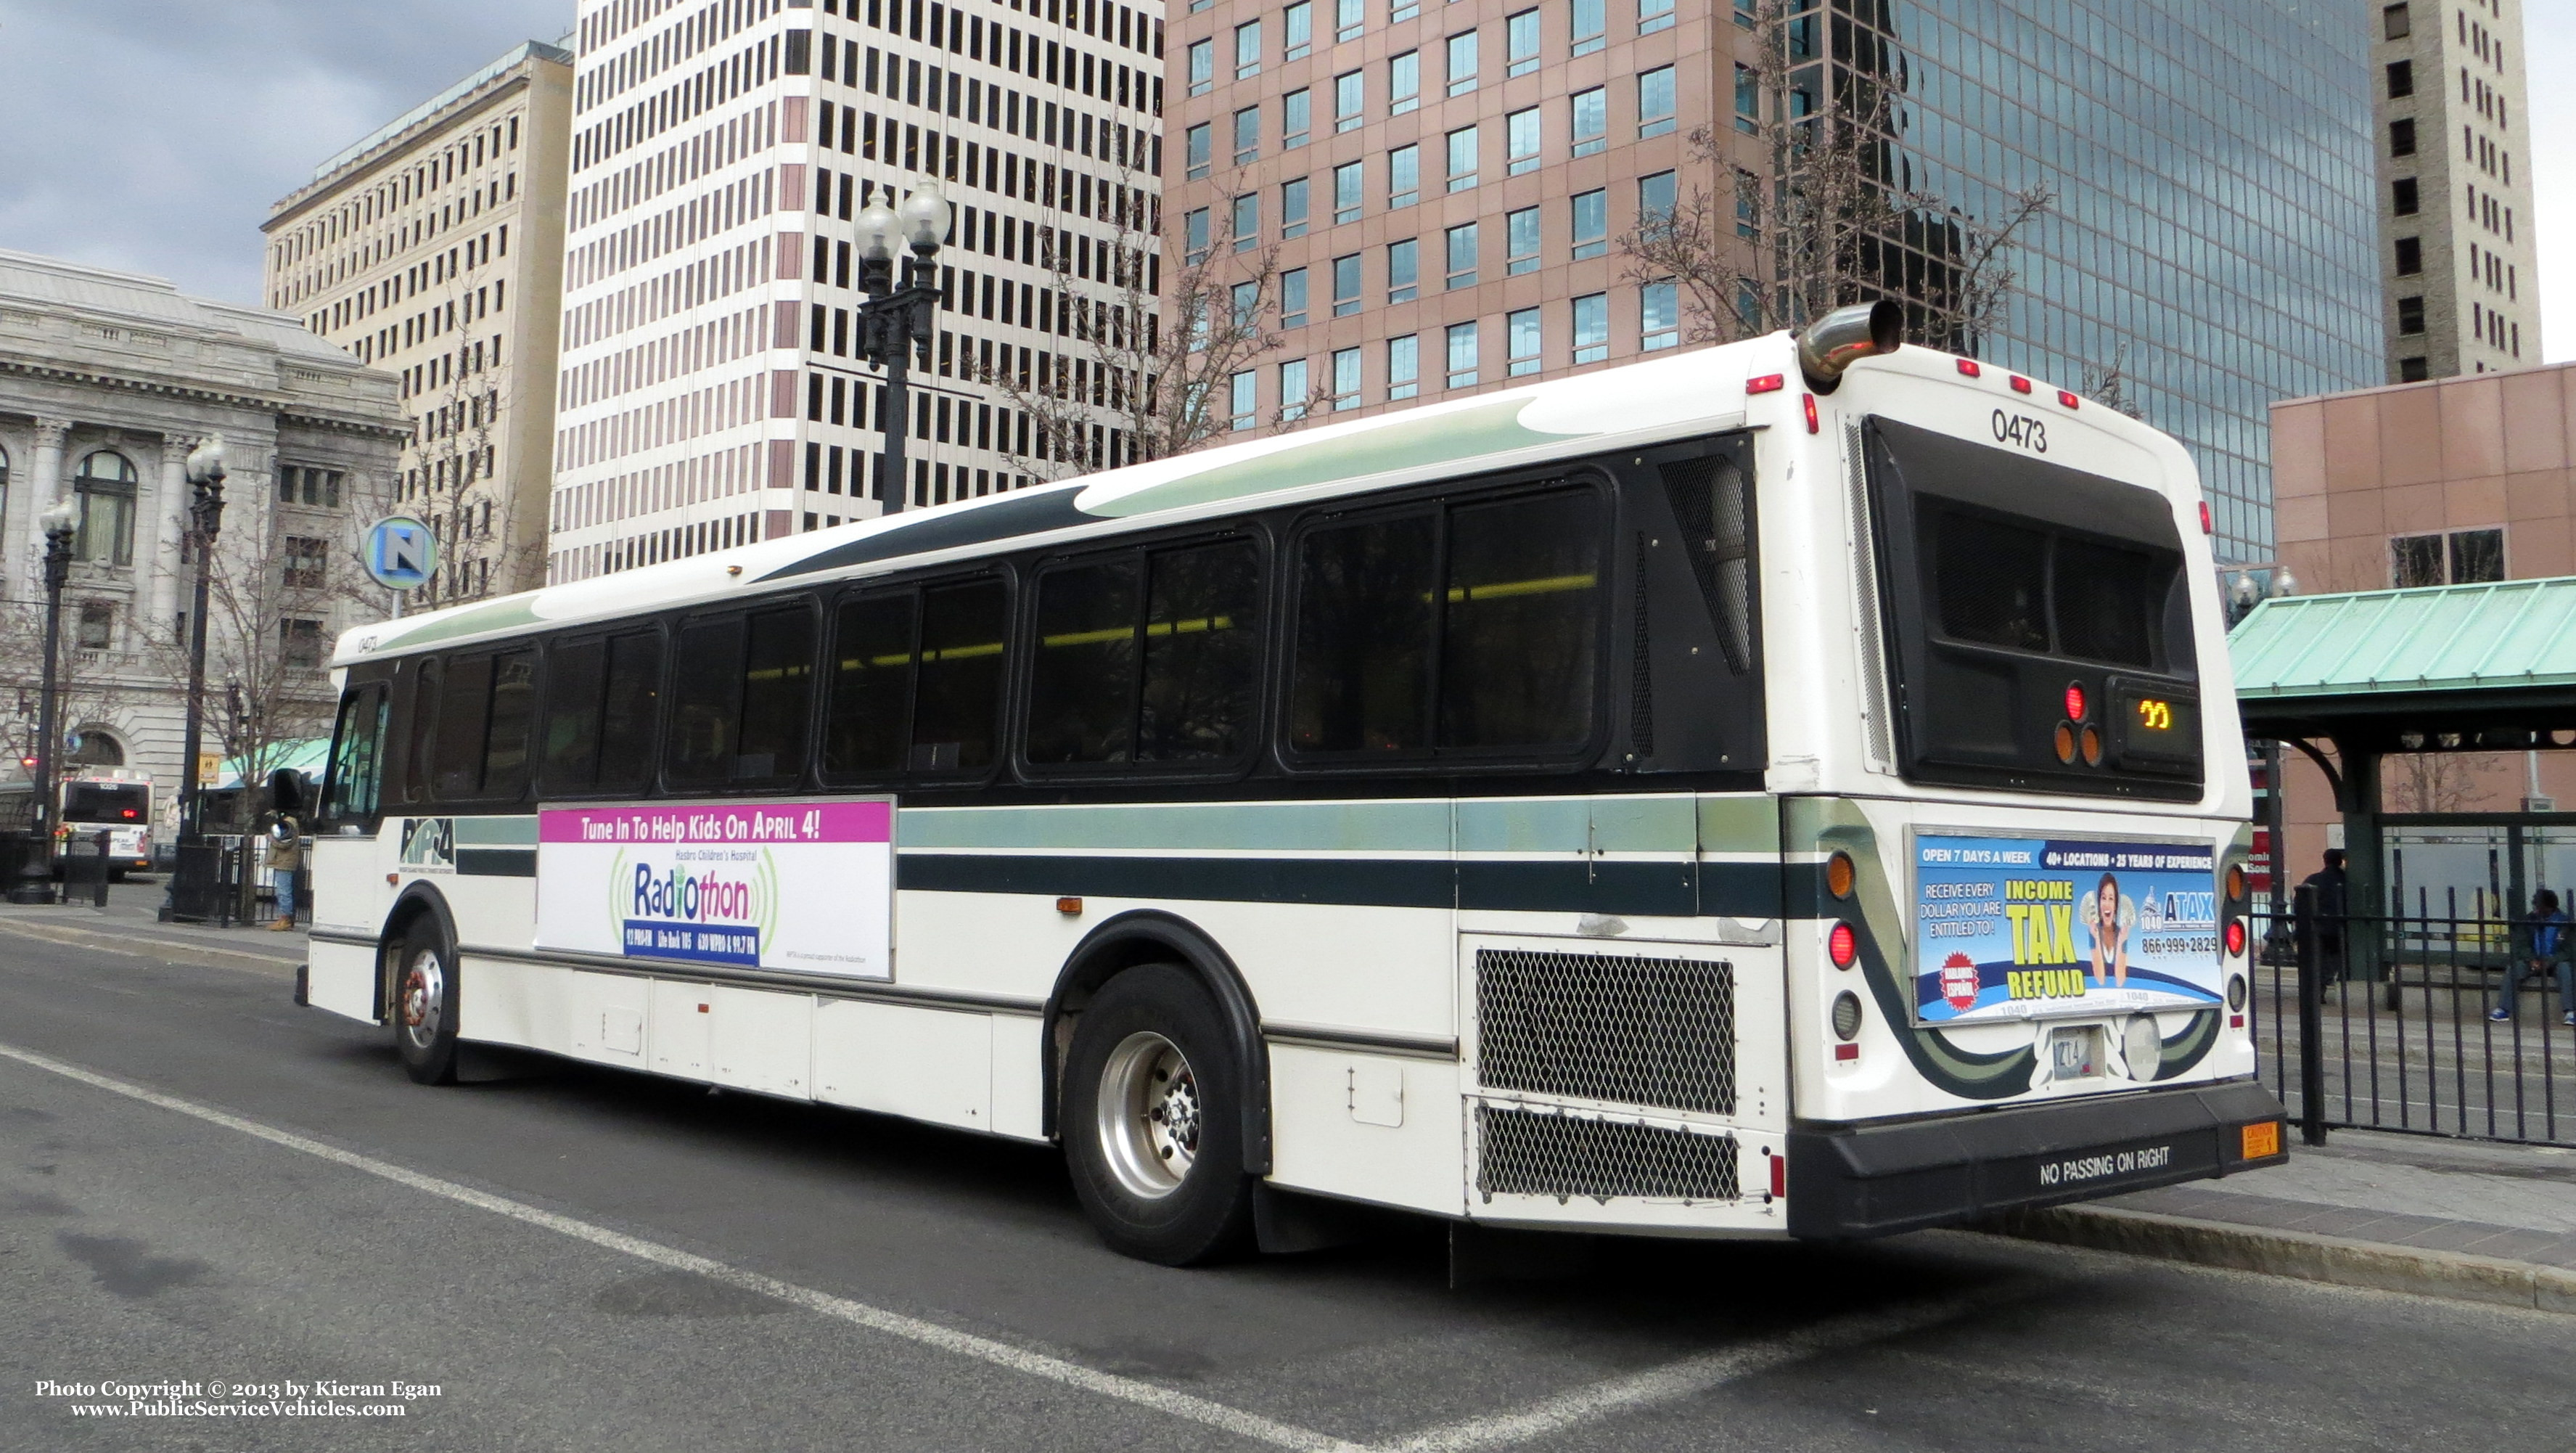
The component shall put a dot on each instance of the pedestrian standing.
(2324, 924)
(2550, 952)
(285, 829)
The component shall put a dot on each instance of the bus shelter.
(2350, 680)
(2415, 1007)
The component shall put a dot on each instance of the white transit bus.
(88, 801)
(1785, 789)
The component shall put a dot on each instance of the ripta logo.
(2042, 913)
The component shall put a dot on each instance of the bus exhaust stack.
(1844, 337)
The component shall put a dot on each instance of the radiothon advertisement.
(800, 886)
(2026, 928)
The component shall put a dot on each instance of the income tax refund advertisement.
(806, 886)
(2024, 928)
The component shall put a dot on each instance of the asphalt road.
(201, 1183)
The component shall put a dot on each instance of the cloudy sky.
(153, 134)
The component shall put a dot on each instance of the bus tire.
(424, 1004)
(1153, 1120)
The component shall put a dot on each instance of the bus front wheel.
(425, 1005)
(1153, 1119)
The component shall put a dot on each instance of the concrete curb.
(2452, 1275)
(140, 945)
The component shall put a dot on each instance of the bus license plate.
(2075, 1054)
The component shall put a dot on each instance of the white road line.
(1675, 1380)
(876, 1319)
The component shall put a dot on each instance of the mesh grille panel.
(1633, 1031)
(1529, 1154)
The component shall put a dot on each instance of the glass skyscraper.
(2212, 235)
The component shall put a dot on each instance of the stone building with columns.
(107, 380)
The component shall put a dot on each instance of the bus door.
(349, 888)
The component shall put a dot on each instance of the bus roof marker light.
(2069, 399)
(1844, 337)
(1813, 425)
(2020, 384)
(2204, 519)
(1769, 383)
(1970, 368)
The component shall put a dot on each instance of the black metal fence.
(2390, 1021)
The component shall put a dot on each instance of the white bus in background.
(88, 801)
(1786, 789)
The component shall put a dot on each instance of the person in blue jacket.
(2551, 949)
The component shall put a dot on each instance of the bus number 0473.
(2021, 429)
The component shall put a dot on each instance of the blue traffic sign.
(401, 552)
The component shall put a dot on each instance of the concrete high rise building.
(711, 387)
(2455, 219)
(1448, 190)
(433, 248)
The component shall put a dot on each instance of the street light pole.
(36, 872)
(205, 522)
(895, 322)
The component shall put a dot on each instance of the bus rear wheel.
(425, 1005)
(1153, 1120)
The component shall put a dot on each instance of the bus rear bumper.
(1875, 1180)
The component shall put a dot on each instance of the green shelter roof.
(2501, 636)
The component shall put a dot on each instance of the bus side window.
(464, 703)
(1713, 506)
(1364, 622)
(573, 679)
(422, 728)
(514, 707)
(349, 799)
(956, 720)
(706, 701)
(870, 701)
(1202, 653)
(631, 710)
(1082, 686)
(1520, 634)
(739, 696)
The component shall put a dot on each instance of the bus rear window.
(106, 802)
(2026, 605)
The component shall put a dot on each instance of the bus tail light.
(1844, 337)
(1779, 1175)
(2235, 937)
(1842, 945)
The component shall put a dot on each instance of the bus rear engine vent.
(1607, 1027)
(1535, 1153)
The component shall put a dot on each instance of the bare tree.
(1800, 210)
(1152, 367)
(2107, 384)
(87, 686)
(2439, 781)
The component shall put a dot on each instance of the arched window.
(105, 486)
(91, 747)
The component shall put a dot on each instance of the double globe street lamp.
(35, 877)
(897, 321)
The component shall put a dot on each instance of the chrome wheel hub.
(1148, 1115)
(423, 998)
